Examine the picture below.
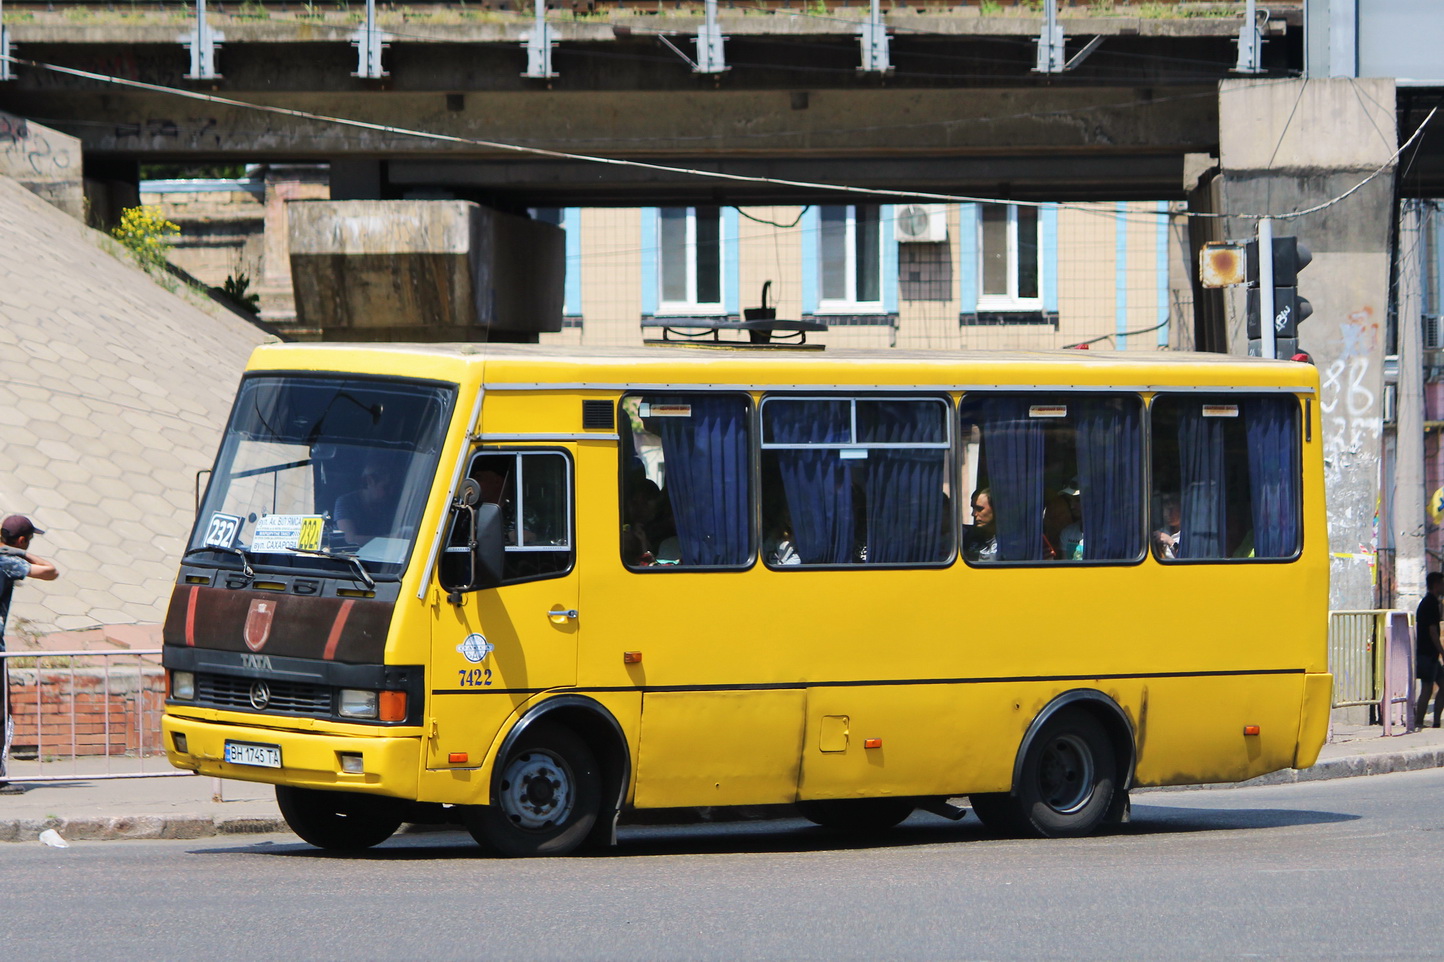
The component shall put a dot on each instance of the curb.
(114, 828)
(1355, 765)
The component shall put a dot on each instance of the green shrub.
(238, 288)
(147, 235)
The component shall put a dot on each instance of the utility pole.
(1410, 561)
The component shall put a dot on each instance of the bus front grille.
(285, 697)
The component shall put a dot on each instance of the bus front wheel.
(548, 796)
(1065, 786)
(339, 821)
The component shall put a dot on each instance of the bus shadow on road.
(1171, 819)
(796, 836)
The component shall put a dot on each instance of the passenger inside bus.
(644, 502)
(1070, 538)
(368, 511)
(980, 539)
(1167, 535)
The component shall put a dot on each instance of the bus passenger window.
(686, 481)
(856, 481)
(1055, 478)
(533, 490)
(1227, 477)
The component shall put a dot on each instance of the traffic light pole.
(1266, 288)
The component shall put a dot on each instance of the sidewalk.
(187, 806)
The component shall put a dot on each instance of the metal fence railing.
(1355, 642)
(1371, 657)
(85, 714)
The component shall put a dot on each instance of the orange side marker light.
(872, 743)
(1250, 729)
(631, 657)
(457, 758)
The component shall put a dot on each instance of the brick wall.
(81, 711)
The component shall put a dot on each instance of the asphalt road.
(1331, 869)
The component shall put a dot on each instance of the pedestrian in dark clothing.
(1428, 652)
(16, 564)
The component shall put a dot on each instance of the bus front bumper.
(380, 765)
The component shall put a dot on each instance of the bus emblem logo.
(260, 695)
(258, 623)
(475, 648)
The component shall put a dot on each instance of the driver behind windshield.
(368, 511)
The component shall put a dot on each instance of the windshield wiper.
(245, 562)
(360, 568)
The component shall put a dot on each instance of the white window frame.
(691, 306)
(850, 304)
(1009, 301)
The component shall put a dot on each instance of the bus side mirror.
(490, 546)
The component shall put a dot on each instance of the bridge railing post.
(202, 43)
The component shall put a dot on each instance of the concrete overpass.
(960, 108)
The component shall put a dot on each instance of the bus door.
(500, 646)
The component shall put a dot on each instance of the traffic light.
(1290, 310)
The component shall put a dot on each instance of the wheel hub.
(1065, 775)
(537, 790)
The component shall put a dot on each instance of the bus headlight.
(356, 703)
(183, 685)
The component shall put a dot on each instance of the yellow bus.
(529, 590)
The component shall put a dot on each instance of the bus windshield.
(321, 472)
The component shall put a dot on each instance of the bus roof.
(520, 366)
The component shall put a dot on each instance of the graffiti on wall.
(1352, 430)
(30, 152)
(1348, 402)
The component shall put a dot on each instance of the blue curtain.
(817, 482)
(1204, 526)
(1013, 452)
(708, 478)
(907, 512)
(1110, 476)
(1273, 474)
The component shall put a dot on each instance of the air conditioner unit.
(921, 223)
(1433, 331)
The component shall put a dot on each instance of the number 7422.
(474, 677)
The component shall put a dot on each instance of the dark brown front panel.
(335, 629)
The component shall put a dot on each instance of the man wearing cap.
(16, 564)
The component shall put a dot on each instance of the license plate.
(261, 756)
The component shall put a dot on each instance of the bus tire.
(548, 796)
(338, 821)
(859, 815)
(1068, 777)
(998, 811)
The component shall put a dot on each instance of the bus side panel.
(1193, 729)
(719, 748)
(935, 739)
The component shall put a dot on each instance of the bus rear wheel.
(548, 796)
(339, 821)
(860, 815)
(1066, 784)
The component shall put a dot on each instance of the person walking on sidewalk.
(16, 564)
(1428, 651)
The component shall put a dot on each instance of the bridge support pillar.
(1287, 146)
(424, 270)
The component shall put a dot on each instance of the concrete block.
(44, 162)
(426, 270)
(1317, 124)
